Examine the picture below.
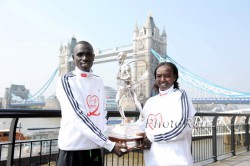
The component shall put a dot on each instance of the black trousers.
(79, 158)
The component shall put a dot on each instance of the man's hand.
(119, 149)
(146, 144)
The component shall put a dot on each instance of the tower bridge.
(148, 44)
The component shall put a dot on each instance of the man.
(82, 99)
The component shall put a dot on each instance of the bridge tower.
(65, 57)
(145, 38)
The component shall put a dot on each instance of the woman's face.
(165, 77)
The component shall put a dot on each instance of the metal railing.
(15, 114)
(219, 140)
(211, 141)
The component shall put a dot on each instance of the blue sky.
(210, 38)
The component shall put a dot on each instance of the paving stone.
(239, 160)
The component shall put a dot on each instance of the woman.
(168, 121)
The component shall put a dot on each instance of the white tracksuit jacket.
(168, 125)
(82, 99)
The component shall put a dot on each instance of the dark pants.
(79, 158)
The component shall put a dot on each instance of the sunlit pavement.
(239, 160)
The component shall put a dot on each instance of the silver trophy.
(127, 133)
(125, 85)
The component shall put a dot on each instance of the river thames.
(28, 126)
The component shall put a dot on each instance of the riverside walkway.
(239, 160)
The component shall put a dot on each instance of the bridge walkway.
(239, 160)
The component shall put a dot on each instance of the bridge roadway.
(194, 100)
(27, 103)
(239, 160)
(221, 100)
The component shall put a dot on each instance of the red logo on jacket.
(93, 105)
(154, 121)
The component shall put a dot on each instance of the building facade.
(15, 93)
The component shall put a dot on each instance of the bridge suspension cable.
(44, 87)
(199, 82)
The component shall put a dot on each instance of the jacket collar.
(81, 73)
(165, 92)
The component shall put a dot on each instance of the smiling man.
(83, 108)
(83, 56)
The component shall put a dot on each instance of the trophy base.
(130, 143)
(130, 135)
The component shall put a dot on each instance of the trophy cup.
(129, 134)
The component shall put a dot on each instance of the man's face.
(84, 56)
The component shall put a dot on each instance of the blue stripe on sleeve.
(183, 122)
(75, 106)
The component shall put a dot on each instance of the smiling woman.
(166, 75)
(171, 106)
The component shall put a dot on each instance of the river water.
(28, 126)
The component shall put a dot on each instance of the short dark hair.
(175, 70)
(85, 43)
